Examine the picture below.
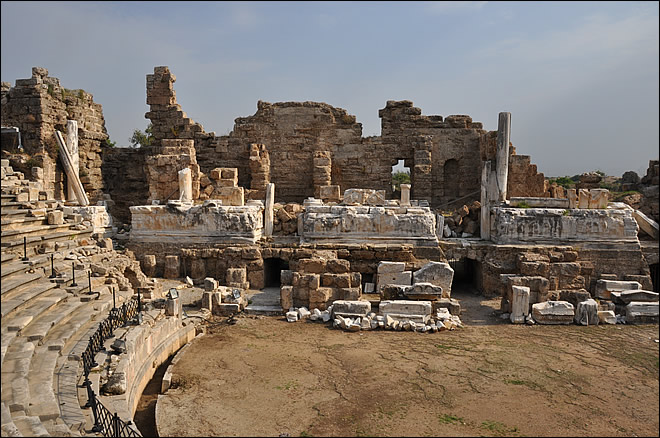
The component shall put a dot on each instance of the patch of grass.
(304, 433)
(523, 204)
(497, 428)
(444, 347)
(287, 386)
(527, 383)
(450, 419)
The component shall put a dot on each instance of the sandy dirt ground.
(262, 376)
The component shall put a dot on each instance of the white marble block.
(519, 304)
(586, 312)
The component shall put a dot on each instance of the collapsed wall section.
(40, 105)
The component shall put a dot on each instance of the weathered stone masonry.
(40, 105)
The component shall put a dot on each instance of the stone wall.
(40, 105)
(125, 180)
(307, 145)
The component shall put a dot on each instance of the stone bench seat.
(34, 231)
(15, 368)
(13, 304)
(30, 426)
(33, 241)
(68, 328)
(43, 403)
(17, 223)
(8, 257)
(19, 282)
(40, 326)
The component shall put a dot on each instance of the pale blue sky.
(579, 78)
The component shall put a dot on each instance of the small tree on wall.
(142, 139)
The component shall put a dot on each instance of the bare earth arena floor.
(263, 376)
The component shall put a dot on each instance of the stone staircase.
(46, 319)
(264, 302)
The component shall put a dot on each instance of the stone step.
(40, 326)
(30, 426)
(8, 257)
(18, 281)
(16, 222)
(43, 402)
(58, 336)
(9, 429)
(66, 390)
(34, 231)
(37, 306)
(263, 310)
(15, 368)
(34, 241)
(21, 299)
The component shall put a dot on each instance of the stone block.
(598, 198)
(350, 308)
(452, 305)
(149, 265)
(391, 292)
(286, 277)
(210, 284)
(574, 296)
(55, 217)
(173, 307)
(351, 293)
(519, 304)
(338, 266)
(627, 296)
(171, 266)
(402, 278)
(586, 312)
(436, 273)
(606, 317)
(553, 312)
(583, 198)
(330, 193)
(405, 307)
(604, 288)
(312, 266)
(320, 295)
(391, 267)
(286, 297)
(423, 291)
(642, 312)
(236, 276)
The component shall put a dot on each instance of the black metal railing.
(106, 422)
(117, 317)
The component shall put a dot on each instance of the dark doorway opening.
(272, 271)
(467, 274)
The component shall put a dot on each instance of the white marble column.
(72, 147)
(185, 185)
(268, 211)
(405, 195)
(485, 202)
(502, 166)
(519, 304)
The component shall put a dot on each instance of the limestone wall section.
(40, 105)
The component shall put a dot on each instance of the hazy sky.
(579, 78)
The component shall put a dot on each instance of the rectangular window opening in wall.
(400, 175)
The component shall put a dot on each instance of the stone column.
(519, 304)
(502, 166)
(583, 198)
(485, 202)
(572, 198)
(405, 195)
(322, 172)
(72, 147)
(185, 185)
(268, 212)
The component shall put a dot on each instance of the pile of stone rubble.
(398, 315)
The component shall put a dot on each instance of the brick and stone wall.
(307, 145)
(40, 105)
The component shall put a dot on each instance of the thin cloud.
(457, 6)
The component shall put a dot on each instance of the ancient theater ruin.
(292, 215)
